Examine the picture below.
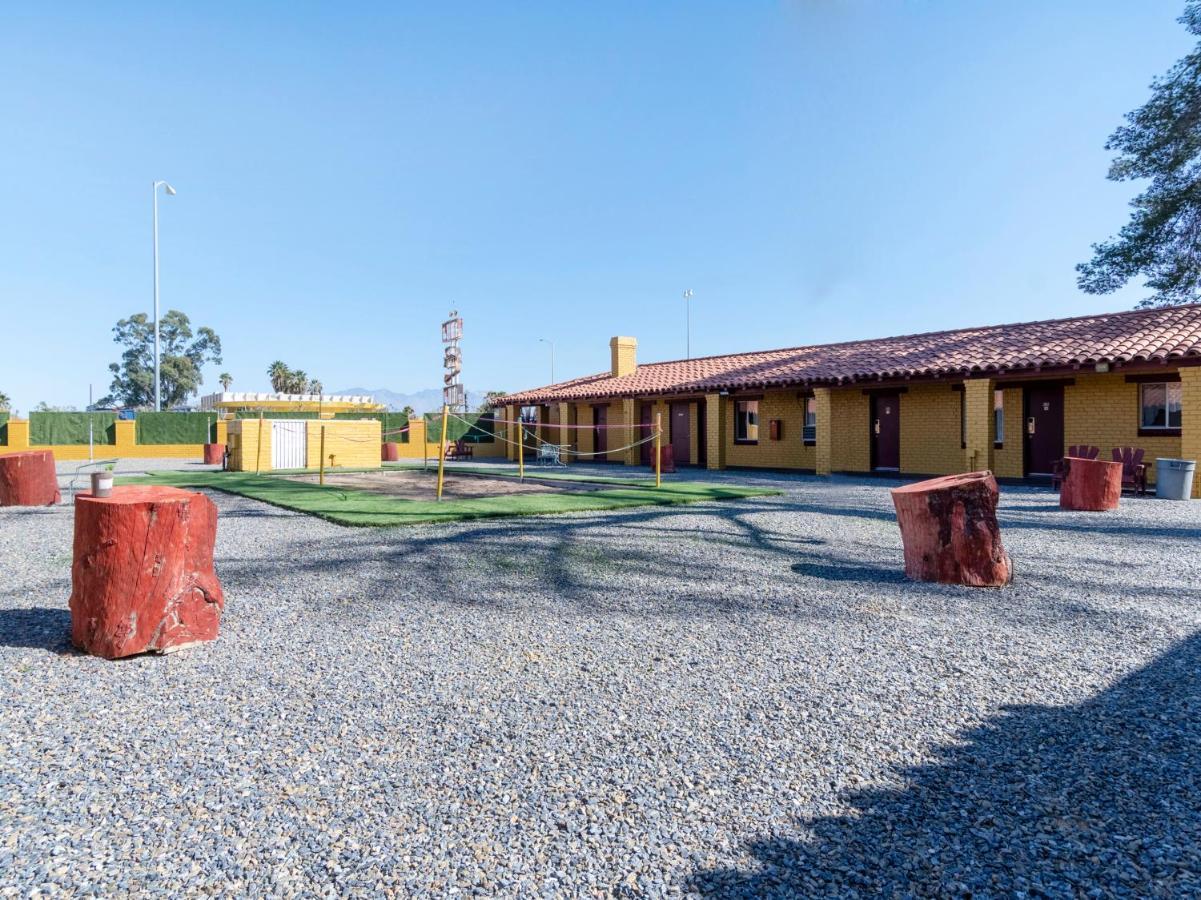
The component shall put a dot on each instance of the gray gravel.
(734, 699)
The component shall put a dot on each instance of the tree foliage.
(182, 353)
(489, 400)
(285, 380)
(5, 402)
(226, 380)
(1161, 141)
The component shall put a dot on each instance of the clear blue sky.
(814, 171)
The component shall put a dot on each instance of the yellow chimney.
(624, 354)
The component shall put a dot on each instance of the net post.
(321, 461)
(658, 449)
(258, 450)
(520, 448)
(442, 451)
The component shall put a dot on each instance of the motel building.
(1010, 398)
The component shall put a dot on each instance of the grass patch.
(361, 508)
(532, 473)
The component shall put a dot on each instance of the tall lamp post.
(552, 357)
(157, 387)
(688, 323)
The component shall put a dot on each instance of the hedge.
(176, 428)
(388, 422)
(72, 427)
(477, 429)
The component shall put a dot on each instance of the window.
(810, 431)
(746, 421)
(1160, 406)
(998, 417)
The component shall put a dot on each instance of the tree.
(1161, 142)
(181, 355)
(279, 373)
(315, 387)
(489, 400)
(226, 380)
(5, 402)
(43, 406)
(408, 412)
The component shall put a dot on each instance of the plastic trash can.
(1174, 478)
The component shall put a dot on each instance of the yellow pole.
(442, 450)
(258, 453)
(321, 477)
(520, 448)
(658, 449)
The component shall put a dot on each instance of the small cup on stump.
(949, 530)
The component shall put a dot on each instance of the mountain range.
(429, 400)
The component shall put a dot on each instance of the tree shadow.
(40, 627)
(1101, 798)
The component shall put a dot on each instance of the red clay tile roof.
(1164, 335)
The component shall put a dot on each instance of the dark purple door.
(600, 435)
(886, 431)
(647, 429)
(681, 439)
(1043, 428)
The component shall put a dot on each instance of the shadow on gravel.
(1102, 797)
(40, 626)
(843, 571)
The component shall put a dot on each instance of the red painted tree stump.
(949, 530)
(214, 454)
(390, 452)
(1090, 485)
(27, 478)
(143, 574)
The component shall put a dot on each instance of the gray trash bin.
(1174, 478)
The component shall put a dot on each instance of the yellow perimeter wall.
(125, 447)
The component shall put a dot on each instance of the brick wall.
(850, 447)
(930, 430)
(789, 452)
(349, 443)
(1104, 410)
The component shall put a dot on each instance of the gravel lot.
(738, 699)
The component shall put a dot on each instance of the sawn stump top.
(138, 493)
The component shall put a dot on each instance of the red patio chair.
(1078, 451)
(1134, 472)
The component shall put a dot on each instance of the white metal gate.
(288, 444)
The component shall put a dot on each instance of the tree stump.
(214, 454)
(949, 530)
(390, 451)
(1090, 485)
(27, 478)
(142, 577)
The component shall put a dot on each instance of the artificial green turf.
(536, 473)
(351, 507)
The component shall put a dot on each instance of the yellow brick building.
(261, 445)
(1011, 398)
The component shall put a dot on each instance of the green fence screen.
(72, 427)
(474, 428)
(3, 428)
(390, 424)
(176, 428)
(274, 414)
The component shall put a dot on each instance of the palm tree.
(226, 380)
(280, 373)
(315, 387)
(298, 381)
(4, 402)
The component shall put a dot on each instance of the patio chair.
(1134, 471)
(1077, 451)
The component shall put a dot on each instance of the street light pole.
(688, 323)
(157, 387)
(552, 358)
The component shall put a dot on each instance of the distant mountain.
(423, 401)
